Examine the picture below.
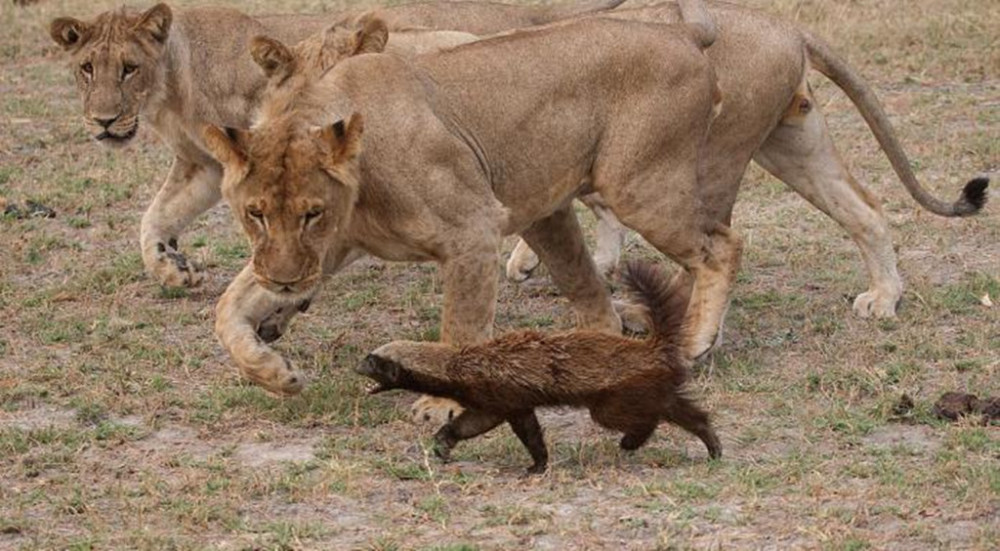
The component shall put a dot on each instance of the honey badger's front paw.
(430, 409)
(173, 269)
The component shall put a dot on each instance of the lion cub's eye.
(313, 214)
(87, 68)
(128, 69)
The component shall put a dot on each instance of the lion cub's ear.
(372, 37)
(156, 22)
(68, 32)
(227, 146)
(272, 56)
(342, 40)
(343, 142)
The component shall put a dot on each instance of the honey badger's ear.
(343, 142)
(272, 56)
(68, 32)
(228, 145)
(156, 22)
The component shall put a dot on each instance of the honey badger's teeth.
(374, 387)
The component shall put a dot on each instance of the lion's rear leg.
(800, 153)
(558, 241)
(664, 208)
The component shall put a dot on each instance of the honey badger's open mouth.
(383, 373)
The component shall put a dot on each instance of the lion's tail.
(568, 10)
(824, 60)
(666, 304)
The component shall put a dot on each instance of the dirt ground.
(123, 425)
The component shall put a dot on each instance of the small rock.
(986, 301)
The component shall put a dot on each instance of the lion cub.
(628, 385)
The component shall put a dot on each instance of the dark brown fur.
(628, 385)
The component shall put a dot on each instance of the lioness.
(181, 71)
(458, 152)
(770, 116)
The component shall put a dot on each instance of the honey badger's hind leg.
(637, 436)
(468, 424)
(684, 413)
(529, 432)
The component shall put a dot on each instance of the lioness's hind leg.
(189, 190)
(800, 153)
(558, 241)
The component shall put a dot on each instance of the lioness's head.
(116, 59)
(317, 54)
(293, 189)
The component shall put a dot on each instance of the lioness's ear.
(68, 32)
(272, 56)
(343, 141)
(372, 37)
(228, 146)
(156, 21)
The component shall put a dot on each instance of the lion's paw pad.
(437, 411)
(173, 269)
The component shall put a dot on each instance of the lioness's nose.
(105, 123)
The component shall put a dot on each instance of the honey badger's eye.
(87, 68)
(128, 69)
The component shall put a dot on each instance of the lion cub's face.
(116, 60)
(293, 193)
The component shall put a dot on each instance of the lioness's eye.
(313, 214)
(127, 70)
(256, 214)
(87, 68)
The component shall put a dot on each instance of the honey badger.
(629, 385)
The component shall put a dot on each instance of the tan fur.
(771, 116)
(628, 385)
(445, 174)
(191, 68)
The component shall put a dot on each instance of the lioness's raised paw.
(875, 304)
(437, 411)
(173, 269)
(280, 379)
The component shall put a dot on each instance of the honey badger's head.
(394, 365)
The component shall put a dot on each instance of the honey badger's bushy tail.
(666, 305)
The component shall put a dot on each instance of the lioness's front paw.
(431, 409)
(280, 378)
(172, 269)
(876, 304)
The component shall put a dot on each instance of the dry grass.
(123, 425)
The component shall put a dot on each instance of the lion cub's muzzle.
(116, 132)
(289, 289)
